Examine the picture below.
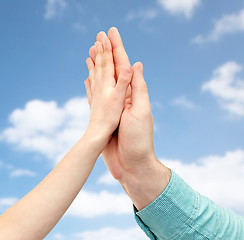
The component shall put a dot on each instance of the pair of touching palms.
(120, 127)
(129, 152)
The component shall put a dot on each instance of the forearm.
(179, 212)
(146, 183)
(34, 216)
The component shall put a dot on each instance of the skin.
(35, 215)
(129, 155)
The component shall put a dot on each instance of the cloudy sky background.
(192, 52)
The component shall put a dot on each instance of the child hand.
(107, 96)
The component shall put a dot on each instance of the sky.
(192, 52)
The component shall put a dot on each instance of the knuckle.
(104, 63)
(106, 60)
(147, 113)
(124, 79)
(99, 59)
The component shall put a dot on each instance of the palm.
(128, 143)
(114, 151)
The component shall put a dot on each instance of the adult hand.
(130, 154)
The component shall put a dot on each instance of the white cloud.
(105, 202)
(9, 166)
(179, 7)
(17, 172)
(22, 172)
(79, 27)
(228, 24)
(5, 203)
(218, 177)
(54, 8)
(112, 234)
(107, 179)
(184, 102)
(208, 176)
(143, 14)
(108, 233)
(156, 105)
(59, 236)
(43, 127)
(227, 87)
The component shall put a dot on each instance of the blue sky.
(192, 51)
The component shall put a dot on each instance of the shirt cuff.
(169, 215)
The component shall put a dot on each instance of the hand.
(132, 145)
(130, 154)
(106, 96)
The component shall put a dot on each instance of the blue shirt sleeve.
(182, 213)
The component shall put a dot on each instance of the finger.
(88, 91)
(101, 37)
(119, 53)
(128, 93)
(124, 80)
(92, 53)
(98, 62)
(139, 87)
(108, 64)
(128, 97)
(108, 58)
(90, 64)
(91, 69)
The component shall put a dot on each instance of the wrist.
(97, 138)
(147, 183)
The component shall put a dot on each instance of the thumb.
(88, 91)
(138, 86)
(124, 80)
